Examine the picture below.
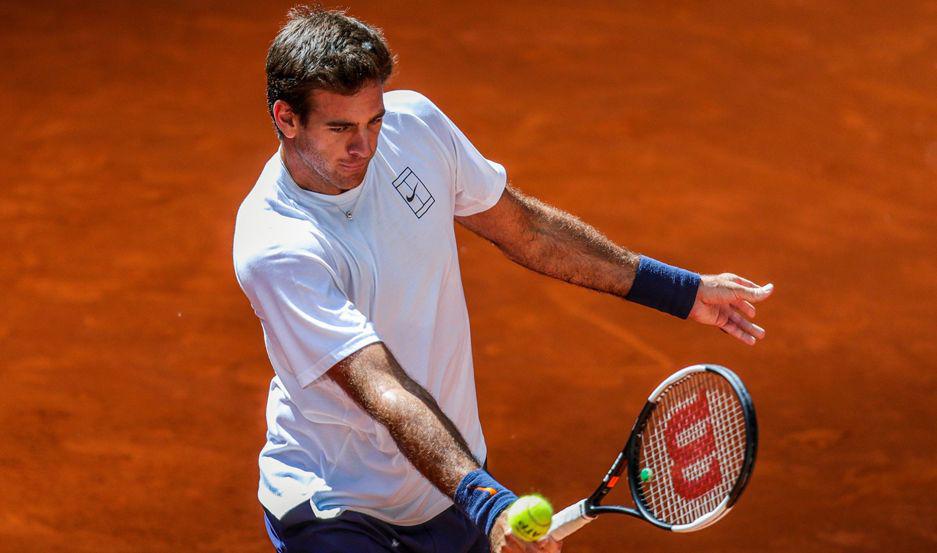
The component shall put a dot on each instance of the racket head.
(698, 435)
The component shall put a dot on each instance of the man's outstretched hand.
(726, 301)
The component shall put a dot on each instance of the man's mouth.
(353, 165)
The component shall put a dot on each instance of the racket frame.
(565, 522)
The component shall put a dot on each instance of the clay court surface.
(792, 142)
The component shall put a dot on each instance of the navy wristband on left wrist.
(483, 498)
(664, 287)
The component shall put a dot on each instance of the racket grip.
(569, 520)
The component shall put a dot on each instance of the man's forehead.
(366, 103)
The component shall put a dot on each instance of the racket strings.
(694, 444)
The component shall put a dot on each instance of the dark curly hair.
(320, 49)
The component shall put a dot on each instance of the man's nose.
(360, 145)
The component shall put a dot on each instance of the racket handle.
(569, 520)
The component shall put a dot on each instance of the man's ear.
(286, 119)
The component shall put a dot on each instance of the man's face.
(340, 137)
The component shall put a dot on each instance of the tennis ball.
(646, 474)
(530, 517)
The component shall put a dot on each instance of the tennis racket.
(690, 454)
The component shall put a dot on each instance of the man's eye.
(377, 121)
(337, 129)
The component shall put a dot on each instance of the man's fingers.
(743, 329)
(745, 307)
(747, 326)
(549, 545)
(756, 294)
(733, 329)
(513, 544)
(726, 301)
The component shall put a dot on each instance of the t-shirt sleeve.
(479, 182)
(309, 320)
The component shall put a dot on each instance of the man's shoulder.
(408, 108)
(409, 102)
(412, 118)
(273, 255)
(268, 238)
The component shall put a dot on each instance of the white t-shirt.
(324, 286)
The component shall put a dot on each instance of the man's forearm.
(558, 244)
(423, 433)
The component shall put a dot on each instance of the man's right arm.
(423, 433)
(374, 380)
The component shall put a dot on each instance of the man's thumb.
(757, 293)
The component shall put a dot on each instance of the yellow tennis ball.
(530, 517)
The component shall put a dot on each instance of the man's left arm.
(557, 244)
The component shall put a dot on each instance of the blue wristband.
(483, 498)
(664, 287)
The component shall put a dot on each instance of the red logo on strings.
(693, 452)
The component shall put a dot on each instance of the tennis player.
(345, 248)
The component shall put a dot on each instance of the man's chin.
(351, 179)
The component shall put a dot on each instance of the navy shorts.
(449, 532)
